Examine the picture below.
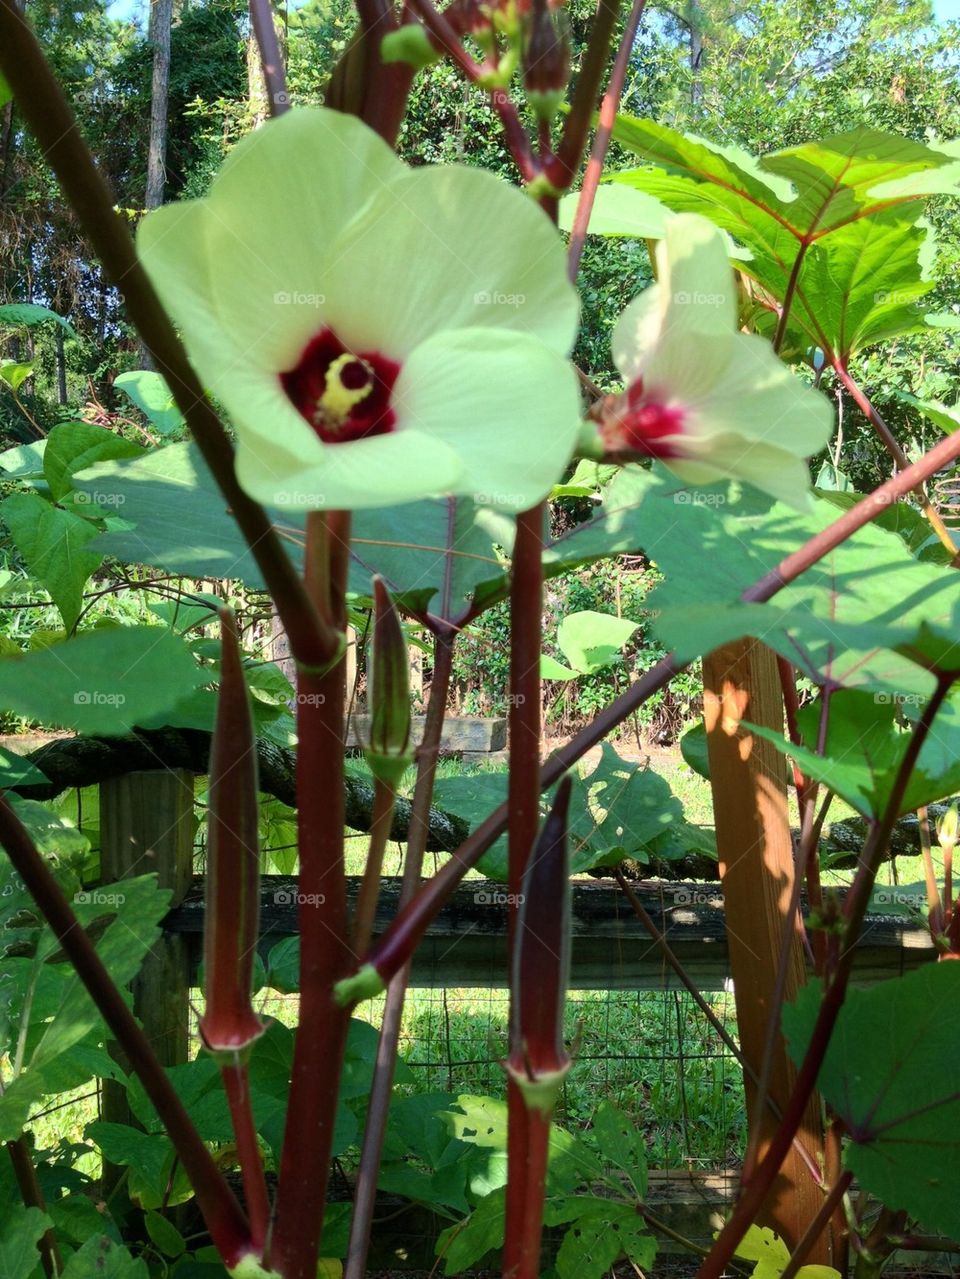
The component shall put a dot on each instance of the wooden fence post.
(146, 825)
(748, 779)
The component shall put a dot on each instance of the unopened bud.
(948, 827)
(546, 64)
(388, 751)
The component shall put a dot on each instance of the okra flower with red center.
(709, 401)
(376, 333)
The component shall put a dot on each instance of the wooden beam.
(749, 783)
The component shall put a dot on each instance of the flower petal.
(679, 339)
(768, 468)
(381, 471)
(278, 204)
(450, 247)
(759, 397)
(508, 406)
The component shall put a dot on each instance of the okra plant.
(374, 364)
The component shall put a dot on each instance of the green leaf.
(21, 1229)
(15, 374)
(772, 1255)
(19, 314)
(164, 1234)
(618, 210)
(102, 682)
(601, 1231)
(864, 749)
(24, 461)
(55, 547)
(693, 748)
(621, 1144)
(150, 393)
(590, 641)
(71, 446)
(175, 517)
(6, 93)
(890, 1074)
(15, 770)
(465, 1243)
(550, 668)
(473, 797)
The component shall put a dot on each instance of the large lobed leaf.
(890, 1073)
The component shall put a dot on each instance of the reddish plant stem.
(790, 294)
(521, 1254)
(271, 59)
(32, 1195)
(366, 909)
(448, 40)
(401, 938)
(386, 84)
(221, 1212)
(817, 1225)
(236, 1083)
(48, 114)
(601, 140)
(382, 1085)
(325, 954)
(833, 1167)
(867, 408)
(523, 795)
(562, 169)
(855, 907)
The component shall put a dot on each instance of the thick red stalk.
(562, 168)
(325, 954)
(48, 114)
(538, 1060)
(221, 1212)
(523, 796)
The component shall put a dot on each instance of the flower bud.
(232, 909)
(546, 64)
(409, 43)
(388, 752)
(948, 828)
(539, 1060)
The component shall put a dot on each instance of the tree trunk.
(161, 19)
(61, 367)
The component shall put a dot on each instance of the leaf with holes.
(600, 1232)
(890, 1074)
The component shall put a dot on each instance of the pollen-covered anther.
(349, 381)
